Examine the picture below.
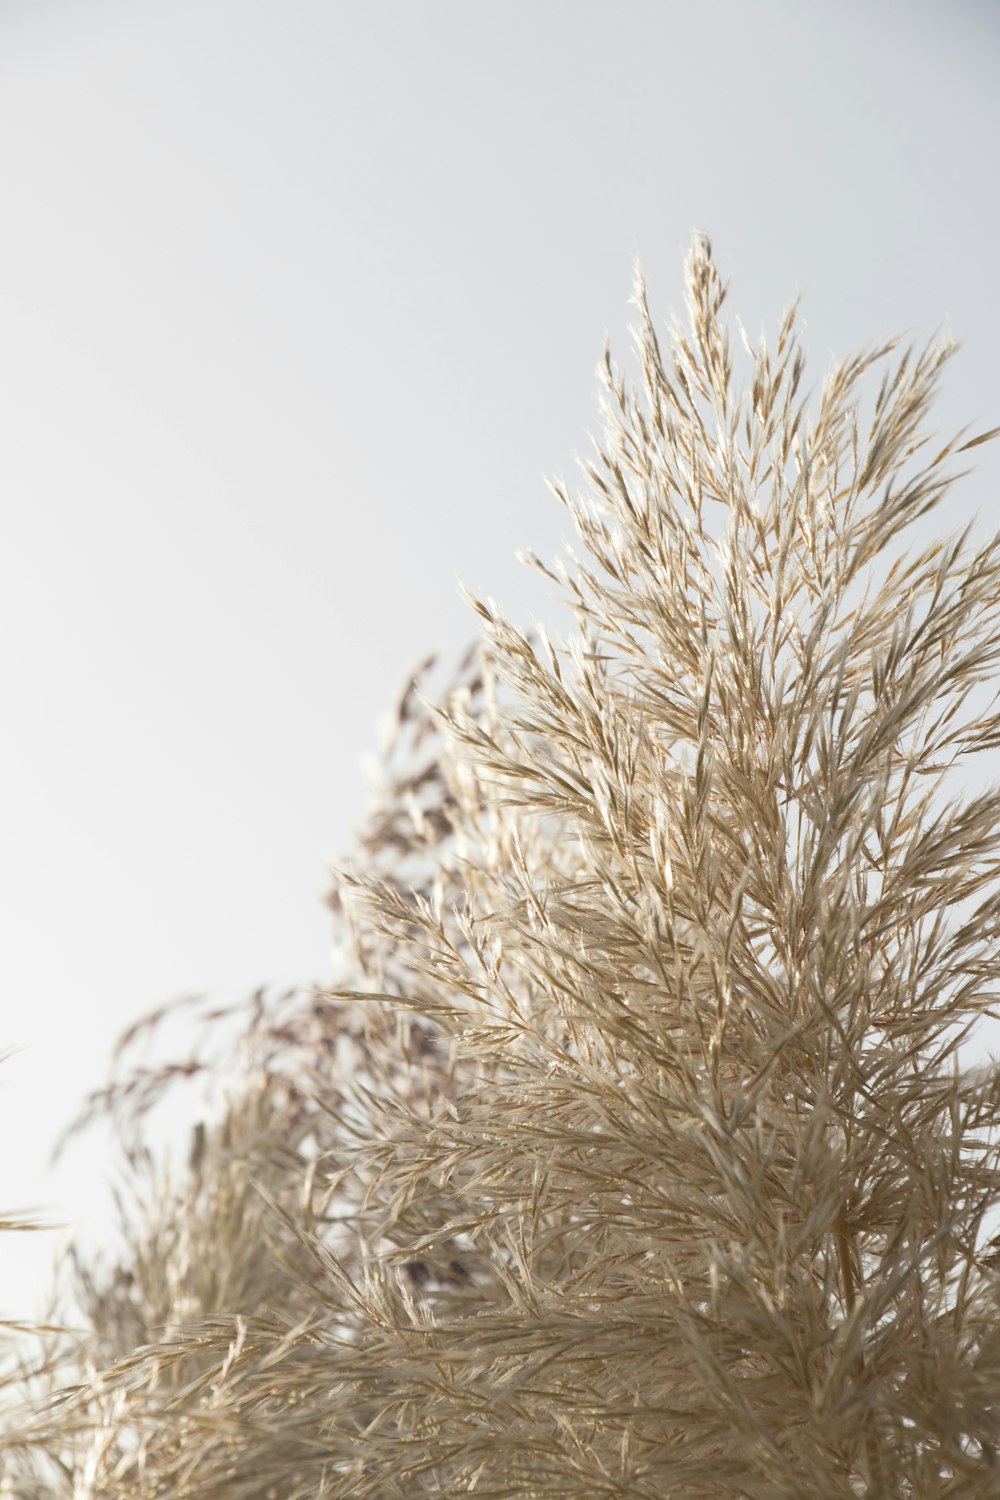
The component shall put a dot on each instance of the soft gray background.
(298, 302)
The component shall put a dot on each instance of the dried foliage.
(634, 1154)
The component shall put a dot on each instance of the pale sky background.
(299, 301)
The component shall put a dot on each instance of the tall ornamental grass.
(640, 1150)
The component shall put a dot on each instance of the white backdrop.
(298, 302)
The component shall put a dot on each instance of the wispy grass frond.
(638, 1153)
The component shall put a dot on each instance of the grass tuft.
(636, 1151)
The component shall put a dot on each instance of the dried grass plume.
(636, 1152)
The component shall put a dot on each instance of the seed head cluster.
(638, 1151)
